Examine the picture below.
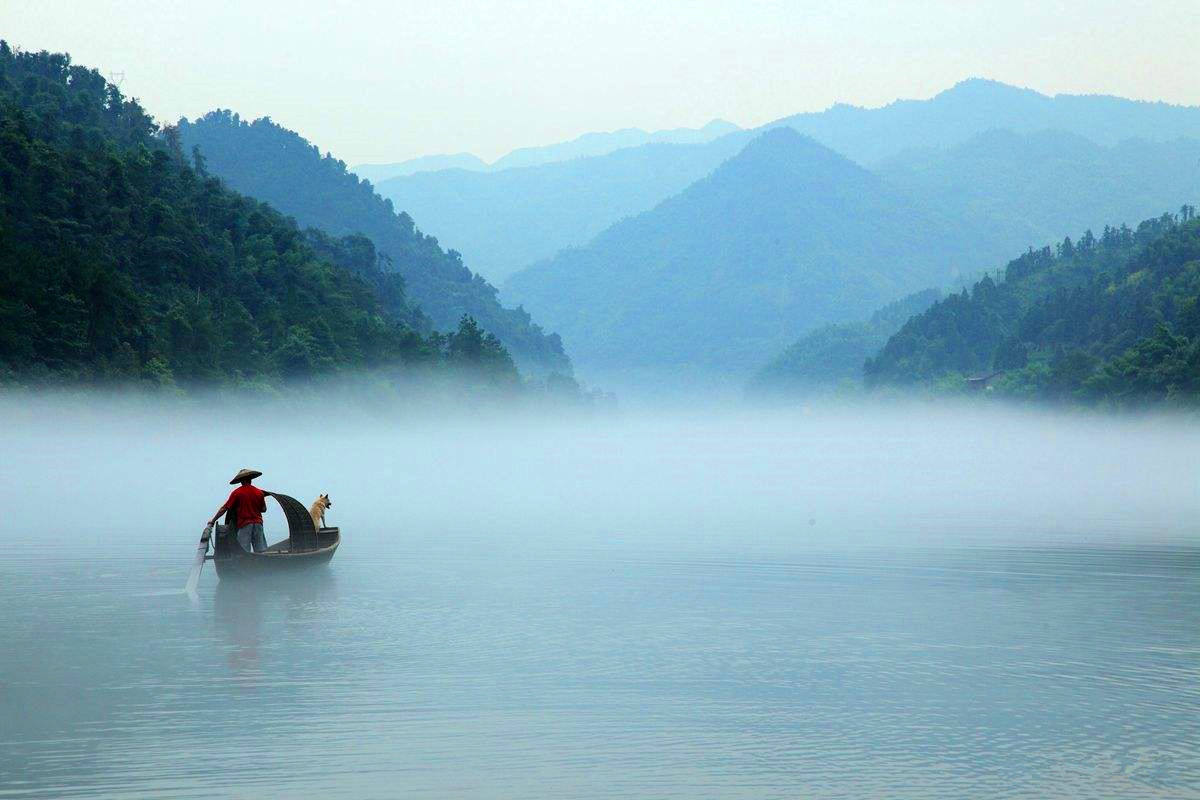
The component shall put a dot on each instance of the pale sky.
(376, 81)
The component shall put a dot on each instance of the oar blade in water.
(198, 563)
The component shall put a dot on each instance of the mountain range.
(1038, 187)
(784, 236)
(787, 253)
(869, 135)
(673, 269)
(587, 144)
(504, 220)
(159, 253)
(1111, 319)
(381, 172)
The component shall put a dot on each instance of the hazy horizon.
(382, 82)
(689, 475)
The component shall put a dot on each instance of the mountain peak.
(719, 125)
(783, 138)
(786, 150)
(984, 88)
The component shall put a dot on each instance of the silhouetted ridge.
(505, 220)
(970, 107)
(976, 89)
(279, 166)
(1039, 186)
(781, 155)
(784, 236)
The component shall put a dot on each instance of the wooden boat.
(305, 547)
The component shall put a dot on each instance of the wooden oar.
(198, 563)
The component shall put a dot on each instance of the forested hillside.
(508, 219)
(121, 262)
(832, 356)
(1111, 319)
(783, 237)
(1028, 188)
(278, 166)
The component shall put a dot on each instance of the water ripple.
(981, 673)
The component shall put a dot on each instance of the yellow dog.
(317, 510)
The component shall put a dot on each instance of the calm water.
(846, 604)
(997, 673)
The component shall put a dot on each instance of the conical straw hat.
(245, 473)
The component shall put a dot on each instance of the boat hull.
(279, 558)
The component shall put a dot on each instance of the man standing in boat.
(248, 503)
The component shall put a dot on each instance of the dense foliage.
(1108, 319)
(832, 356)
(276, 165)
(119, 261)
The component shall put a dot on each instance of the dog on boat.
(317, 510)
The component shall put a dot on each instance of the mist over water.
(721, 479)
(839, 601)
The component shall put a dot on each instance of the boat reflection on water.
(251, 612)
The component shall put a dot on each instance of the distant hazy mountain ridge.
(381, 172)
(598, 144)
(588, 144)
(1038, 187)
(785, 236)
(505, 220)
(973, 106)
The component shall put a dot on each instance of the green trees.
(832, 356)
(122, 261)
(1110, 319)
(1163, 366)
(474, 349)
(278, 166)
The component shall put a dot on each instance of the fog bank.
(105, 474)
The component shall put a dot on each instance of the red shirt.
(248, 503)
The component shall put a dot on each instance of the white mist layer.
(123, 476)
